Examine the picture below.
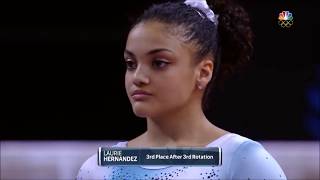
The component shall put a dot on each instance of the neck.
(185, 126)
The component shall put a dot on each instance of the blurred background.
(63, 82)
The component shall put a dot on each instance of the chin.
(142, 111)
(141, 114)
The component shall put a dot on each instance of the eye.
(131, 65)
(159, 63)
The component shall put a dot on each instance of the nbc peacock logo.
(285, 19)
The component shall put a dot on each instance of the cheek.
(128, 80)
(176, 88)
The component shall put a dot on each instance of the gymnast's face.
(160, 76)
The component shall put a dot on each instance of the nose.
(140, 76)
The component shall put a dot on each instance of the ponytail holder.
(203, 6)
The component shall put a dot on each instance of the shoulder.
(139, 141)
(251, 160)
(90, 168)
(230, 142)
(121, 144)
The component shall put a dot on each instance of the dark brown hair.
(229, 43)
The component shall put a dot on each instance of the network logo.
(285, 19)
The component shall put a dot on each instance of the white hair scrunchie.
(203, 6)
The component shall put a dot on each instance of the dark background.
(63, 73)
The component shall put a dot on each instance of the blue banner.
(108, 156)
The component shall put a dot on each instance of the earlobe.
(199, 85)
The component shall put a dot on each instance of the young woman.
(173, 55)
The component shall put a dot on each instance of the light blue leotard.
(242, 158)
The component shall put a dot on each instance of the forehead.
(152, 35)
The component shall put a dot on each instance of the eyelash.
(131, 64)
(154, 63)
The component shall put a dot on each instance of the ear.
(205, 69)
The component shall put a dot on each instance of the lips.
(139, 95)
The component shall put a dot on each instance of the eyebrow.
(153, 51)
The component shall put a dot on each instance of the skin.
(159, 63)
